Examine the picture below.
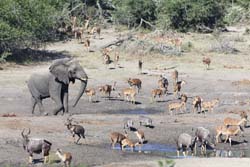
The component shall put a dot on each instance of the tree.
(191, 14)
(130, 12)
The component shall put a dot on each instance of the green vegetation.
(167, 163)
(30, 23)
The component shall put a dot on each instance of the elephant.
(55, 84)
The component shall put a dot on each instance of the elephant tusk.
(84, 79)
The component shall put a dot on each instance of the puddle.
(170, 151)
(154, 148)
(142, 112)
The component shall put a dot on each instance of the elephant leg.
(59, 105)
(66, 102)
(40, 105)
(33, 104)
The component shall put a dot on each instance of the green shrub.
(191, 14)
(130, 12)
(236, 14)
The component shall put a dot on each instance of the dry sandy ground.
(105, 116)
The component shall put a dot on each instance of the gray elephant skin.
(55, 84)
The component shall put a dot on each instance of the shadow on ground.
(24, 56)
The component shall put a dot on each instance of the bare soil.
(230, 85)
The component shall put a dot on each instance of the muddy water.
(170, 151)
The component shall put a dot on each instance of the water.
(170, 151)
(152, 148)
(142, 112)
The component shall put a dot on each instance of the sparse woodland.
(34, 23)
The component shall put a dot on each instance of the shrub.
(130, 12)
(191, 14)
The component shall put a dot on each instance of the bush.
(130, 12)
(191, 14)
(236, 14)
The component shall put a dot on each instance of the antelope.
(206, 61)
(117, 137)
(65, 157)
(197, 103)
(116, 58)
(106, 89)
(175, 106)
(107, 60)
(177, 87)
(243, 114)
(175, 76)
(145, 121)
(128, 123)
(78, 31)
(231, 121)
(140, 135)
(36, 145)
(158, 92)
(90, 93)
(184, 99)
(128, 92)
(98, 31)
(163, 82)
(203, 136)
(87, 44)
(86, 25)
(135, 82)
(75, 130)
(228, 131)
(177, 43)
(140, 62)
(127, 142)
(209, 105)
(184, 142)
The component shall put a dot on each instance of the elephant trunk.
(81, 91)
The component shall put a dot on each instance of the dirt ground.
(224, 80)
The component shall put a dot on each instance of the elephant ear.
(59, 69)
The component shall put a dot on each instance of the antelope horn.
(28, 132)
(22, 133)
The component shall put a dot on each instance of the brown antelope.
(66, 157)
(107, 60)
(129, 92)
(184, 99)
(90, 93)
(163, 82)
(228, 131)
(175, 76)
(232, 121)
(206, 61)
(117, 137)
(87, 44)
(78, 31)
(116, 58)
(158, 92)
(140, 62)
(86, 25)
(140, 135)
(243, 114)
(106, 89)
(177, 87)
(177, 42)
(98, 31)
(175, 106)
(197, 103)
(127, 142)
(209, 105)
(135, 82)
